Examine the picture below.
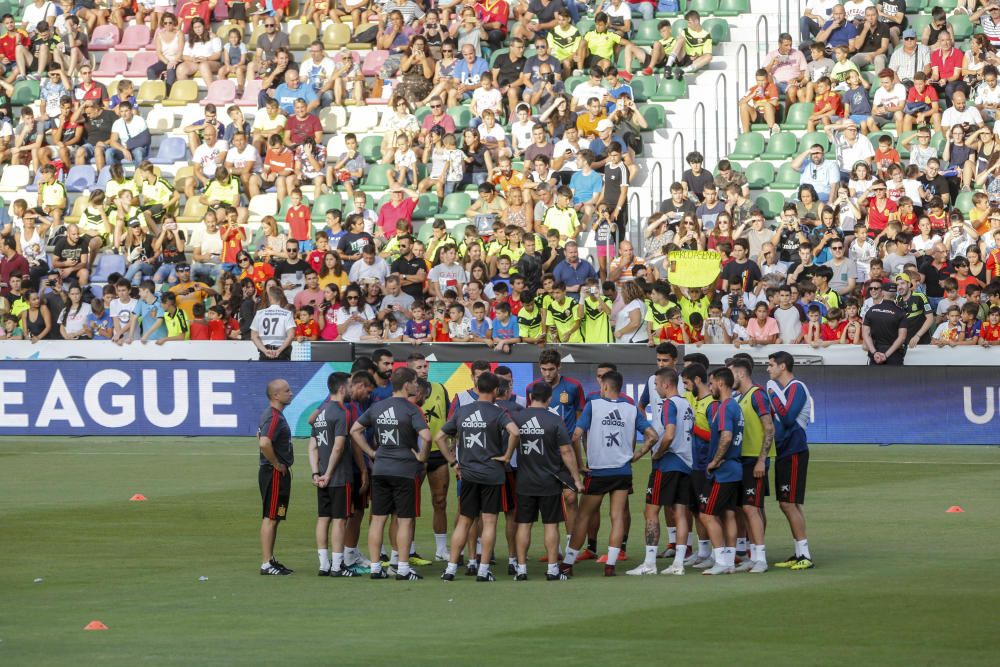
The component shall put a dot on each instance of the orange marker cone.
(137, 498)
(95, 625)
(954, 509)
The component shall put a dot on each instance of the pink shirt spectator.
(759, 334)
(788, 67)
(389, 215)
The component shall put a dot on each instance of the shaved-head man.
(275, 479)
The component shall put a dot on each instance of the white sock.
(613, 554)
(571, 555)
(324, 558)
(761, 554)
(452, 568)
(680, 555)
(691, 541)
(717, 556)
(404, 567)
(522, 569)
(337, 560)
(265, 565)
(672, 535)
(511, 560)
(553, 568)
(568, 538)
(484, 568)
(394, 557)
(688, 69)
(441, 542)
(729, 556)
(474, 563)
(741, 544)
(479, 546)
(376, 566)
(413, 548)
(704, 549)
(802, 549)
(650, 555)
(670, 61)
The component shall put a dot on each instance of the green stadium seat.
(25, 92)
(770, 204)
(455, 206)
(962, 26)
(733, 7)
(572, 82)
(643, 87)
(874, 137)
(780, 146)
(324, 203)
(703, 7)
(585, 25)
(646, 34)
(655, 115)
(377, 179)
(371, 148)
(812, 138)
(427, 206)
(461, 115)
(670, 90)
(420, 113)
(918, 23)
(759, 175)
(798, 116)
(749, 146)
(719, 29)
(964, 202)
(788, 177)
(496, 54)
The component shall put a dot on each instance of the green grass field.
(898, 580)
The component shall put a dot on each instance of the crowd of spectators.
(549, 170)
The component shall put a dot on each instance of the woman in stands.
(36, 321)
(328, 312)
(137, 247)
(417, 69)
(352, 315)
(202, 54)
(443, 81)
(630, 326)
(399, 121)
(169, 45)
(73, 318)
(689, 235)
(520, 211)
(808, 205)
(332, 272)
(722, 232)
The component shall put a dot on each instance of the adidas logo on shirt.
(387, 418)
(613, 418)
(475, 420)
(532, 427)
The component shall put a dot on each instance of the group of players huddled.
(553, 454)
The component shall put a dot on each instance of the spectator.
(945, 67)
(760, 104)
(814, 17)
(693, 50)
(851, 146)
(912, 58)
(872, 43)
(822, 174)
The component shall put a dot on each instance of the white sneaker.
(691, 560)
(677, 569)
(746, 565)
(719, 569)
(775, 129)
(442, 557)
(641, 570)
(705, 563)
(759, 566)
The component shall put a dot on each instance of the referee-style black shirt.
(885, 320)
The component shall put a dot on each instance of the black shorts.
(790, 478)
(435, 460)
(335, 502)
(275, 489)
(476, 499)
(698, 482)
(509, 497)
(754, 489)
(719, 497)
(601, 486)
(238, 12)
(550, 507)
(666, 489)
(396, 495)
(359, 501)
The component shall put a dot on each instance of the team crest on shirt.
(564, 397)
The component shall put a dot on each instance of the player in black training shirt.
(330, 457)
(478, 429)
(512, 404)
(275, 478)
(545, 448)
(401, 440)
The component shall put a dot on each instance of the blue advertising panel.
(195, 398)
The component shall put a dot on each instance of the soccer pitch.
(898, 580)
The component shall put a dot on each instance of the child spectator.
(828, 107)
(298, 218)
(971, 324)
(989, 334)
(404, 164)
(950, 331)
(349, 169)
(418, 327)
(305, 324)
(99, 325)
(480, 327)
(217, 325)
(373, 331)
(885, 156)
(125, 93)
(505, 331)
(199, 325)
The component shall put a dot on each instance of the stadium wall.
(908, 405)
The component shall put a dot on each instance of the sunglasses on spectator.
(270, 25)
(351, 297)
(875, 288)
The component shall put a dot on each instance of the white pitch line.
(912, 463)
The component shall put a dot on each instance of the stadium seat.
(141, 61)
(257, 32)
(748, 147)
(797, 116)
(670, 90)
(703, 7)
(732, 8)
(105, 264)
(770, 204)
(33, 186)
(135, 37)
(370, 148)
(788, 177)
(103, 38)
(643, 88)
(427, 206)
(76, 213)
(962, 26)
(964, 202)
(14, 177)
(332, 118)
(103, 177)
(220, 92)
(719, 29)
(151, 92)
(171, 150)
(113, 63)
(655, 116)
(496, 54)
(25, 93)
(646, 33)
(264, 204)
(336, 36)
(336, 146)
(455, 206)
(181, 94)
(780, 146)
(250, 93)
(585, 25)
(377, 179)
(373, 62)
(422, 112)
(325, 202)
(362, 119)
(759, 175)
(361, 46)
(181, 176)
(80, 177)
(160, 120)
(302, 36)
(813, 138)
(919, 22)
(572, 82)
(461, 115)
(194, 211)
